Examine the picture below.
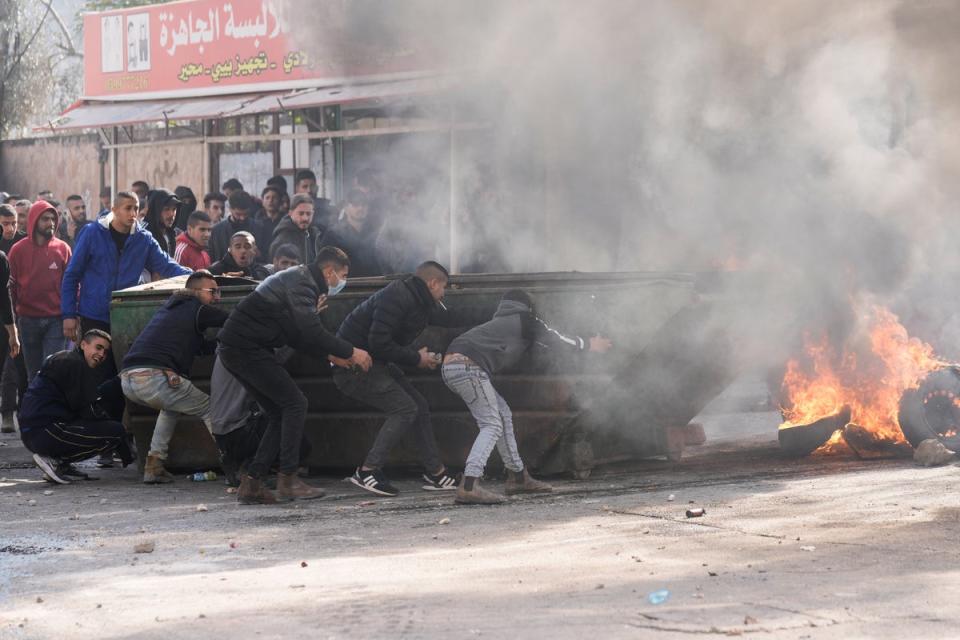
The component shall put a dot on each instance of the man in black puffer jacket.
(385, 324)
(156, 369)
(282, 311)
(61, 418)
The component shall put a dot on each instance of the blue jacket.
(98, 270)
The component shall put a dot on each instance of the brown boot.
(521, 482)
(291, 487)
(153, 471)
(252, 492)
(476, 494)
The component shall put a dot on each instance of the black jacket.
(63, 390)
(306, 241)
(228, 265)
(6, 245)
(388, 321)
(359, 247)
(268, 226)
(188, 205)
(224, 230)
(175, 334)
(282, 311)
(6, 308)
(166, 237)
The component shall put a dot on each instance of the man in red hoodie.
(192, 244)
(36, 270)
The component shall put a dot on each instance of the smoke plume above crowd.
(808, 141)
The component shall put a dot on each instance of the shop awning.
(90, 114)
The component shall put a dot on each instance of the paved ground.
(817, 548)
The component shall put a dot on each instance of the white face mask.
(337, 288)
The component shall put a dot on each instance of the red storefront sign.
(205, 47)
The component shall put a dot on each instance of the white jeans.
(150, 387)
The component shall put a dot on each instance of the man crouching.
(60, 422)
(156, 369)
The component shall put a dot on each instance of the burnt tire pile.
(933, 409)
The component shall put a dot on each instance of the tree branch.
(70, 49)
(26, 47)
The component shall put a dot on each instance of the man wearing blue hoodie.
(110, 255)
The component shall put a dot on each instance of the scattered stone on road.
(932, 453)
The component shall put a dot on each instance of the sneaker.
(374, 482)
(105, 461)
(49, 468)
(441, 482)
(67, 470)
(6, 423)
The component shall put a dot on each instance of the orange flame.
(868, 380)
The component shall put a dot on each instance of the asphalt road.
(815, 548)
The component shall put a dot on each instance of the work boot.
(291, 487)
(153, 471)
(6, 422)
(476, 494)
(252, 492)
(521, 482)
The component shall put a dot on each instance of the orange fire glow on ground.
(869, 376)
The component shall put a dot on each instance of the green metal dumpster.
(557, 399)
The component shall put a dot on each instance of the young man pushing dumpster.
(282, 311)
(156, 369)
(386, 324)
(481, 352)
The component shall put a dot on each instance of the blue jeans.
(492, 414)
(150, 387)
(39, 338)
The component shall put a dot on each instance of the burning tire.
(933, 409)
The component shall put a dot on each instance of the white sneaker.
(49, 468)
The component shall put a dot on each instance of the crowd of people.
(69, 395)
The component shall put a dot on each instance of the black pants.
(239, 447)
(388, 389)
(285, 405)
(78, 440)
(110, 401)
(13, 381)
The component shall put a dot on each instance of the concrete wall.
(70, 164)
(63, 164)
(163, 165)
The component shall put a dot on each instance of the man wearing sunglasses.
(156, 369)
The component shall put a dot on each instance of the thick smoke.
(810, 142)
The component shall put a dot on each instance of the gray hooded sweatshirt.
(500, 343)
